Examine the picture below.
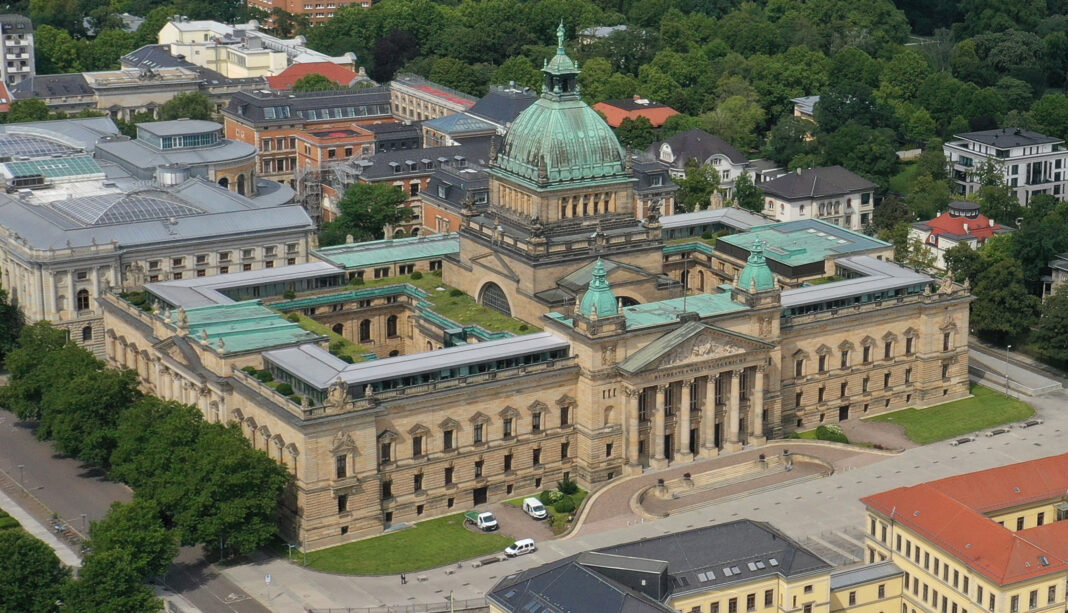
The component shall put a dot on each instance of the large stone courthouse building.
(554, 335)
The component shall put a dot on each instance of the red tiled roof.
(466, 102)
(950, 513)
(615, 111)
(978, 226)
(339, 74)
(5, 98)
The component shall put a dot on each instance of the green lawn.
(902, 181)
(432, 543)
(338, 343)
(462, 309)
(985, 409)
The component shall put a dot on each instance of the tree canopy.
(31, 576)
(192, 105)
(366, 209)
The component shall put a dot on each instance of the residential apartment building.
(989, 541)
(830, 193)
(317, 11)
(492, 114)
(415, 98)
(961, 224)
(703, 148)
(16, 59)
(1028, 162)
(241, 50)
(273, 121)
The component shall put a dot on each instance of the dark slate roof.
(12, 22)
(459, 124)
(503, 104)
(380, 165)
(816, 183)
(154, 56)
(264, 107)
(456, 184)
(645, 171)
(695, 560)
(393, 128)
(51, 86)
(699, 144)
(1009, 137)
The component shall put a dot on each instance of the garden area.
(562, 504)
(7, 522)
(428, 544)
(985, 409)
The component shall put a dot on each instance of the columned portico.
(708, 419)
(659, 431)
(683, 454)
(734, 402)
(756, 417)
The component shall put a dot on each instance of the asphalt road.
(71, 489)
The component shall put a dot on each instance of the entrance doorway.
(481, 495)
(843, 413)
(643, 453)
(718, 438)
(669, 447)
(694, 444)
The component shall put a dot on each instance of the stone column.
(631, 429)
(72, 300)
(756, 418)
(733, 414)
(659, 459)
(708, 420)
(684, 454)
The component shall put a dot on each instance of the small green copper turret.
(599, 300)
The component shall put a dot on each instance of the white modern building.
(240, 50)
(1031, 163)
(830, 193)
(17, 63)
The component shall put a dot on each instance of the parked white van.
(534, 508)
(520, 547)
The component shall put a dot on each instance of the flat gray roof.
(205, 291)
(864, 574)
(320, 372)
(730, 216)
(140, 155)
(177, 127)
(880, 276)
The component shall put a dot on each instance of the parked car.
(534, 508)
(520, 547)
(484, 520)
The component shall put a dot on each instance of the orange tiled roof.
(615, 111)
(339, 74)
(950, 513)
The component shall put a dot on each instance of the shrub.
(831, 433)
(455, 292)
(289, 294)
(357, 281)
(345, 358)
(564, 505)
(567, 487)
(293, 317)
(336, 346)
(415, 276)
(523, 327)
(559, 523)
(285, 389)
(250, 370)
(707, 235)
(549, 497)
(793, 435)
(264, 376)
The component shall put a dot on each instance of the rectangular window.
(926, 560)
(417, 482)
(908, 375)
(945, 342)
(882, 591)
(1014, 604)
(565, 416)
(750, 602)
(342, 503)
(908, 346)
(507, 427)
(478, 433)
(448, 439)
(799, 368)
(341, 464)
(820, 393)
(867, 354)
(535, 422)
(608, 450)
(1032, 599)
(537, 457)
(964, 585)
(956, 577)
(845, 359)
(823, 363)
(478, 468)
(1041, 519)
(1019, 523)
(769, 598)
(888, 350)
(852, 599)
(886, 380)
(386, 448)
(417, 446)
(1051, 595)
(387, 490)
(448, 475)
(844, 386)
(508, 462)
(713, 607)
(732, 605)
(565, 448)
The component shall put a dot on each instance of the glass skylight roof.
(124, 208)
(55, 167)
(33, 146)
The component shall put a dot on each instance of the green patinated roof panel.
(366, 255)
(794, 243)
(667, 311)
(243, 326)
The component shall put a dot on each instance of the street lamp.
(22, 475)
(1007, 348)
(83, 523)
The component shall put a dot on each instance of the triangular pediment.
(691, 343)
(618, 273)
(493, 262)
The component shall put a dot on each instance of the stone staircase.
(740, 495)
(702, 482)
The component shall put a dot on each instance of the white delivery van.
(519, 548)
(534, 508)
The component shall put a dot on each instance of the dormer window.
(442, 190)
(656, 181)
(395, 166)
(461, 162)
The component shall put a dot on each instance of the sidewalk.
(41, 531)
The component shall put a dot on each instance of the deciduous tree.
(136, 527)
(1051, 332)
(1003, 307)
(314, 82)
(192, 105)
(81, 413)
(636, 133)
(697, 186)
(746, 194)
(366, 209)
(31, 576)
(109, 582)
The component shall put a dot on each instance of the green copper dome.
(756, 272)
(599, 300)
(559, 138)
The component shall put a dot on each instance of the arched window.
(224, 183)
(394, 353)
(365, 331)
(83, 299)
(241, 184)
(87, 334)
(700, 280)
(627, 301)
(493, 297)
(391, 326)
(338, 328)
(398, 234)
(415, 231)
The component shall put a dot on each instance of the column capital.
(762, 368)
(687, 383)
(662, 387)
(632, 392)
(731, 374)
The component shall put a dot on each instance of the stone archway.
(494, 297)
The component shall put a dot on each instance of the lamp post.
(22, 475)
(1007, 348)
(83, 523)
